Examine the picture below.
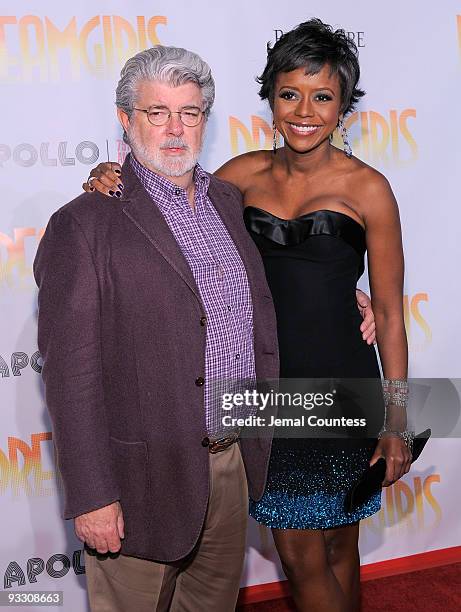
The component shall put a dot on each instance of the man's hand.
(368, 327)
(101, 529)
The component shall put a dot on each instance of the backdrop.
(58, 69)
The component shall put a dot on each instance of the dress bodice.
(312, 266)
(290, 233)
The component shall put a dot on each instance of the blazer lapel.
(139, 208)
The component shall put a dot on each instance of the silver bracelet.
(395, 392)
(406, 436)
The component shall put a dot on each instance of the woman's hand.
(397, 456)
(105, 178)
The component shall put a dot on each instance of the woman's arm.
(106, 177)
(386, 271)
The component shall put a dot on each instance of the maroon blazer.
(120, 332)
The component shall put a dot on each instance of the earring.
(343, 131)
(274, 138)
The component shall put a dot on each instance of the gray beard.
(156, 161)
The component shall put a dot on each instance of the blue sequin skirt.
(307, 482)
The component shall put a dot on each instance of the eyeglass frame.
(202, 113)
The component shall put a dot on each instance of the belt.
(220, 444)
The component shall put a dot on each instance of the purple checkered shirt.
(221, 280)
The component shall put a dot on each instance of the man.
(142, 307)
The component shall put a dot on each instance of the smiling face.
(306, 107)
(171, 149)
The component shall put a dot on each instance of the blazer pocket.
(130, 464)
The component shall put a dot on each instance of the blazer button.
(199, 381)
(206, 441)
(202, 321)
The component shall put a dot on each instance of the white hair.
(172, 65)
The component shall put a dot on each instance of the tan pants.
(207, 581)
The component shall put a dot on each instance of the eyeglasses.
(160, 115)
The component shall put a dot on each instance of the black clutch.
(372, 478)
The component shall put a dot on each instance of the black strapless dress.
(312, 266)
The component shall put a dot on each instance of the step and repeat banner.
(59, 66)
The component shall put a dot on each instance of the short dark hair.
(314, 44)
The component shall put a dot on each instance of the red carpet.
(432, 590)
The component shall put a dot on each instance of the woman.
(313, 211)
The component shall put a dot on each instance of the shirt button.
(202, 321)
(237, 356)
(177, 192)
(199, 381)
(206, 441)
(229, 308)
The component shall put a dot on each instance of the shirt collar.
(152, 181)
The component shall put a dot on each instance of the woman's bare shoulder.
(372, 191)
(241, 169)
(365, 175)
(364, 181)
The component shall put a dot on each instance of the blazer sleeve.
(69, 340)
